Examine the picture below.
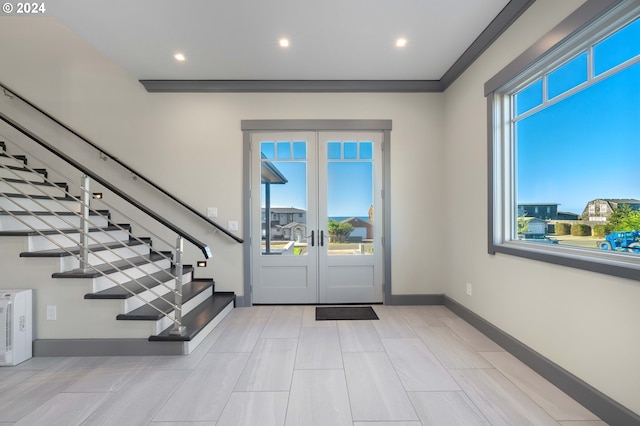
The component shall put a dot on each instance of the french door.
(316, 217)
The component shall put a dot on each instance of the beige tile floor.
(275, 365)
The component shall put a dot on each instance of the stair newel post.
(178, 328)
(84, 223)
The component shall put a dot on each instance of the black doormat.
(345, 313)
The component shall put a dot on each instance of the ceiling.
(329, 39)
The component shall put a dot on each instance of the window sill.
(616, 264)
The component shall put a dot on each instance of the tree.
(624, 218)
(523, 223)
(339, 230)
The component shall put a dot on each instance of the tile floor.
(275, 365)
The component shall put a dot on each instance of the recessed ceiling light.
(401, 42)
(284, 42)
(179, 57)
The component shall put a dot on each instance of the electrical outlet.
(469, 289)
(52, 313)
(232, 225)
(212, 212)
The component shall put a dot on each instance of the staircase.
(123, 302)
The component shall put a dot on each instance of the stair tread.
(70, 251)
(17, 157)
(48, 213)
(121, 227)
(106, 268)
(41, 197)
(149, 281)
(147, 313)
(48, 184)
(18, 168)
(197, 319)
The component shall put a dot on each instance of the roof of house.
(356, 221)
(271, 174)
(532, 219)
(281, 210)
(613, 202)
(618, 200)
(292, 225)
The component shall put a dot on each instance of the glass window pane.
(529, 97)
(366, 150)
(350, 207)
(617, 48)
(267, 149)
(557, 148)
(574, 153)
(284, 150)
(284, 208)
(567, 76)
(300, 150)
(334, 151)
(350, 150)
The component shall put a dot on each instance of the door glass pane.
(350, 207)
(334, 150)
(283, 202)
(268, 150)
(284, 150)
(299, 150)
(366, 150)
(351, 150)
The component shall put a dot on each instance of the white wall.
(585, 322)
(191, 144)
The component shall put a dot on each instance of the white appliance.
(16, 318)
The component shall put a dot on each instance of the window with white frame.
(566, 130)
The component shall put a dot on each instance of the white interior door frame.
(251, 126)
(284, 262)
(354, 275)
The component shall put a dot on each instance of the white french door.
(316, 217)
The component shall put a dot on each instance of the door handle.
(312, 239)
(322, 238)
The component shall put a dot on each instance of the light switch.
(212, 212)
(232, 225)
(52, 313)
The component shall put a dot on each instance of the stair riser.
(39, 205)
(46, 222)
(191, 345)
(69, 263)
(25, 188)
(160, 325)
(103, 283)
(21, 174)
(134, 302)
(49, 242)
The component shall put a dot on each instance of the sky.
(349, 187)
(586, 146)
